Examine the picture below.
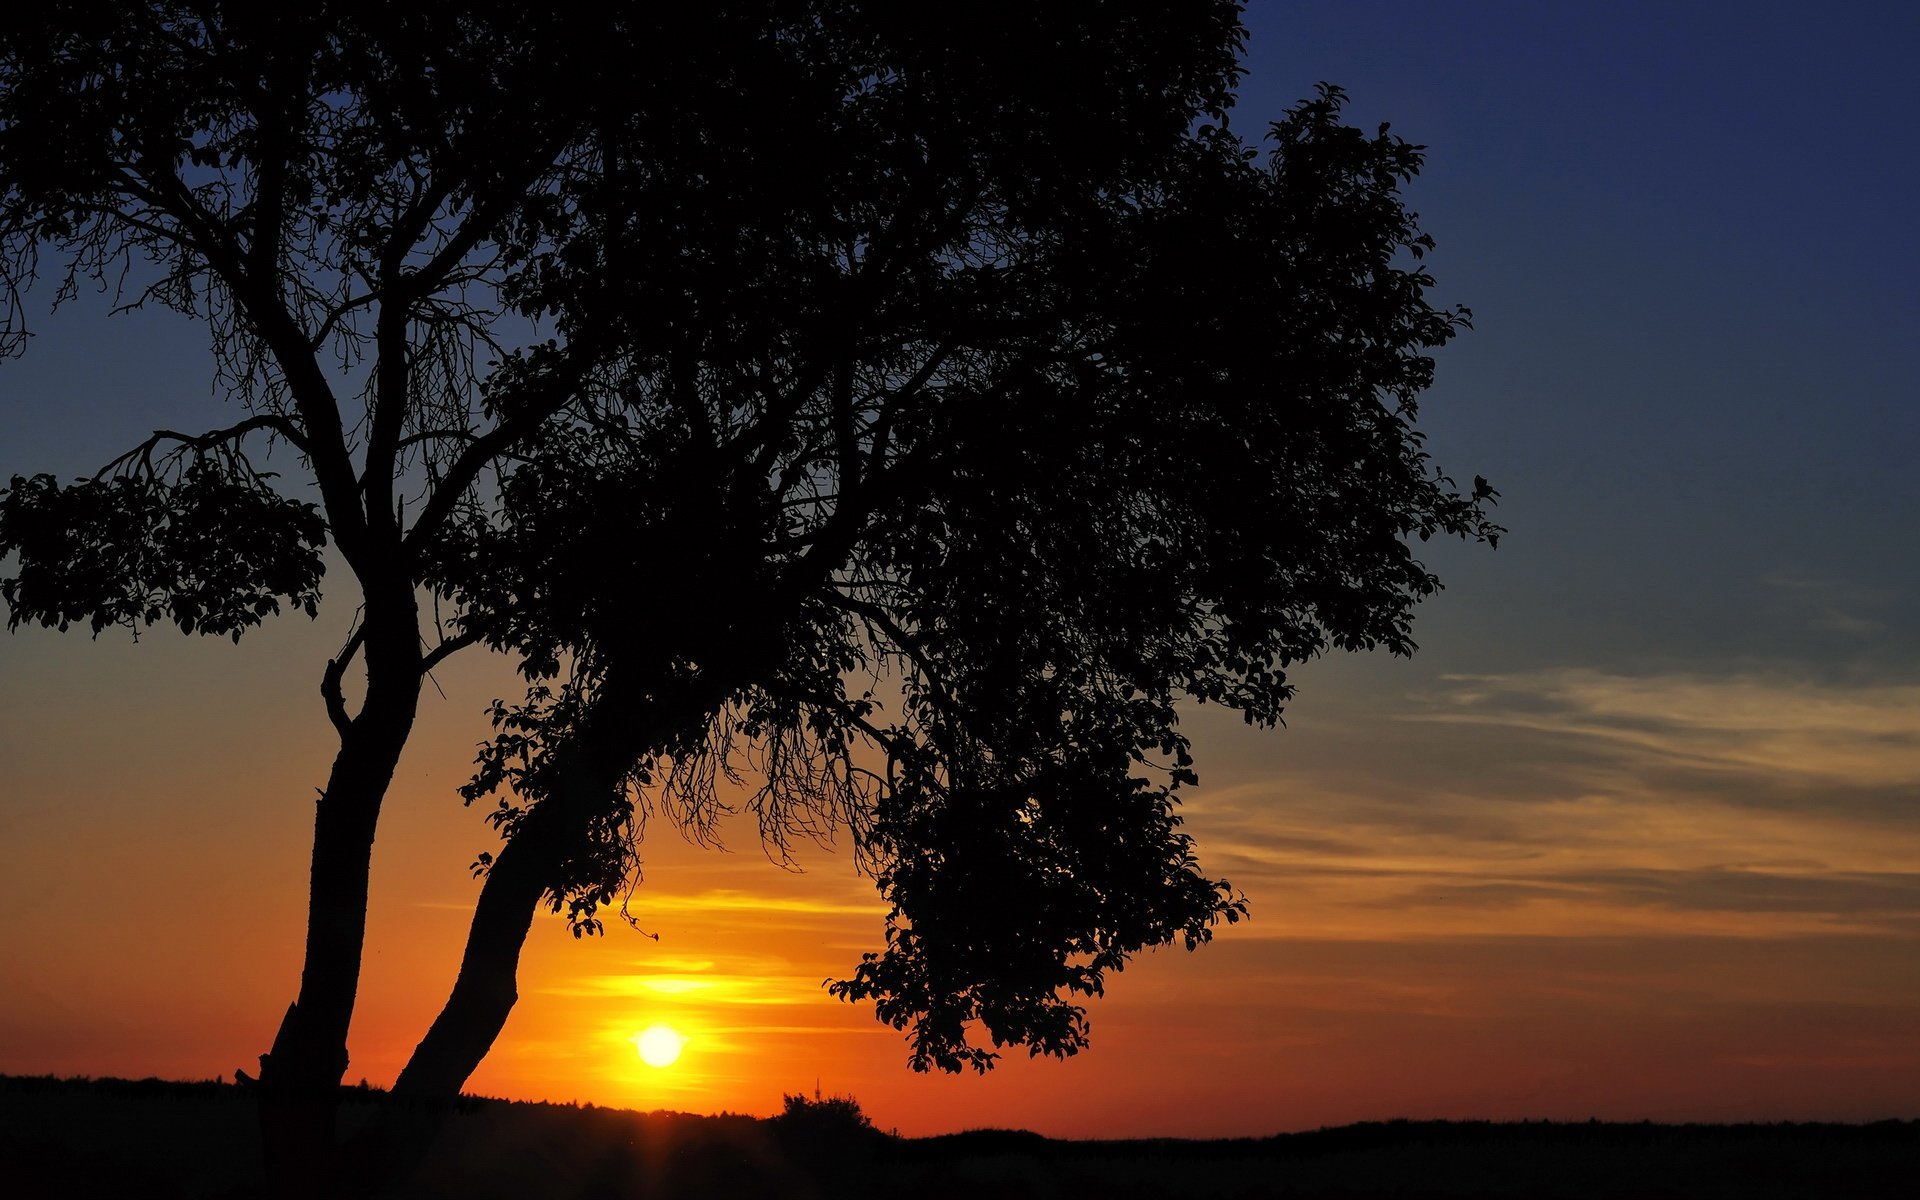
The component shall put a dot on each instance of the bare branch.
(143, 453)
(447, 648)
(330, 679)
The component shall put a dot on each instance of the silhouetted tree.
(999, 422)
(360, 202)
(935, 399)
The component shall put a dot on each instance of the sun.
(659, 1045)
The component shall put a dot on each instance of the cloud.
(1858, 898)
(1580, 802)
(725, 979)
(1826, 606)
(729, 901)
(1781, 729)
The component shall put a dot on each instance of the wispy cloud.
(1829, 607)
(1581, 802)
(729, 901)
(690, 983)
(1780, 728)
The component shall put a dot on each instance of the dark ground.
(151, 1138)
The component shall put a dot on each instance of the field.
(100, 1138)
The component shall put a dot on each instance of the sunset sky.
(1635, 835)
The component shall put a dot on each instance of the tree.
(934, 404)
(1117, 431)
(357, 201)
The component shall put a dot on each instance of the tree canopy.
(924, 407)
(944, 579)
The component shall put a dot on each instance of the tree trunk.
(487, 987)
(300, 1077)
(592, 765)
(623, 722)
(391, 1145)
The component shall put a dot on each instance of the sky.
(1636, 834)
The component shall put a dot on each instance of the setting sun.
(659, 1045)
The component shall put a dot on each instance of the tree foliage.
(213, 548)
(944, 580)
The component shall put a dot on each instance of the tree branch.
(330, 689)
(912, 646)
(431, 435)
(446, 648)
(206, 441)
(325, 443)
(484, 448)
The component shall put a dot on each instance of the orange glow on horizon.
(1511, 912)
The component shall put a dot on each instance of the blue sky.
(1680, 229)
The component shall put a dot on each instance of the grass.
(152, 1138)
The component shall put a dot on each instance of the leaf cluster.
(212, 551)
